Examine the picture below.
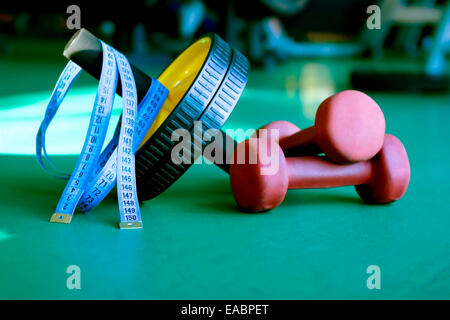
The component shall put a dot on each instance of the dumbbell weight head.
(259, 177)
(349, 127)
(391, 174)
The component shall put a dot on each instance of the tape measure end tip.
(130, 225)
(61, 218)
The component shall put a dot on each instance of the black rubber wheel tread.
(188, 110)
(162, 171)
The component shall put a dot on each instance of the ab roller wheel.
(210, 99)
(204, 83)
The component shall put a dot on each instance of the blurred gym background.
(266, 30)
(301, 51)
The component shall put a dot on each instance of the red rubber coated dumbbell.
(258, 187)
(349, 127)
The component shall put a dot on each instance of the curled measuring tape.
(96, 172)
(67, 77)
(205, 82)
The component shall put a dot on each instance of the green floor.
(195, 243)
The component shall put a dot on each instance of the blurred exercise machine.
(412, 17)
(268, 41)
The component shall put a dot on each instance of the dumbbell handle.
(85, 50)
(300, 143)
(317, 172)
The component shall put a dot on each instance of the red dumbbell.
(349, 127)
(258, 187)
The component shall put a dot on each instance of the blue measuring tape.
(67, 77)
(96, 172)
